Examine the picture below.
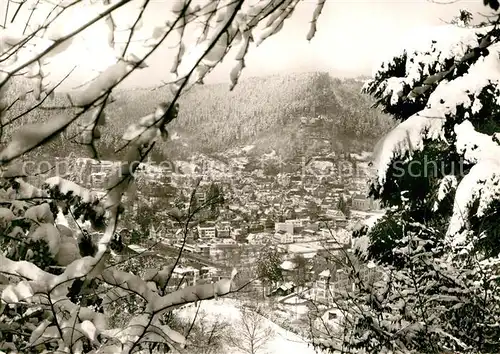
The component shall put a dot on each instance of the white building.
(295, 222)
(284, 227)
(208, 272)
(288, 265)
(207, 232)
(285, 237)
(224, 229)
(201, 197)
(184, 276)
(341, 236)
(363, 203)
(156, 232)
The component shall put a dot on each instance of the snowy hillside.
(280, 341)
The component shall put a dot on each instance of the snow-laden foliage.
(448, 104)
(57, 282)
(437, 173)
(55, 289)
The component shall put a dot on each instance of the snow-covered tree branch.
(436, 248)
(44, 267)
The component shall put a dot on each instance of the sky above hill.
(352, 36)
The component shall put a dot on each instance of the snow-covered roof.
(303, 248)
(248, 148)
(336, 213)
(137, 248)
(309, 255)
(288, 265)
(325, 273)
(183, 270)
(287, 286)
(357, 195)
(209, 269)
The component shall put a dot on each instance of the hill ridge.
(265, 111)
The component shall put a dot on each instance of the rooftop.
(288, 265)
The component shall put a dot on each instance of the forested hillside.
(265, 111)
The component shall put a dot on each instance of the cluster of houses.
(184, 276)
(211, 230)
(298, 213)
(323, 283)
(362, 203)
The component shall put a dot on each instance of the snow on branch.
(317, 11)
(482, 185)
(442, 104)
(41, 282)
(45, 32)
